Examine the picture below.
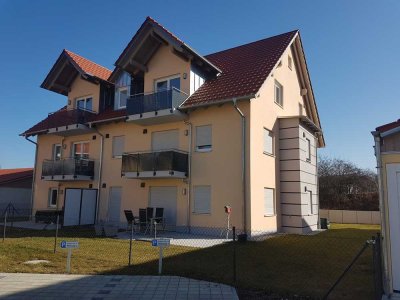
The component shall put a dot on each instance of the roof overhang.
(63, 73)
(306, 122)
(147, 40)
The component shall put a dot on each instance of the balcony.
(157, 164)
(69, 122)
(156, 108)
(68, 169)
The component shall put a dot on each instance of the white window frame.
(85, 99)
(273, 202)
(167, 79)
(118, 93)
(204, 148)
(51, 197)
(271, 133)
(54, 151)
(194, 200)
(308, 150)
(278, 98)
(112, 150)
(290, 62)
(311, 203)
(73, 149)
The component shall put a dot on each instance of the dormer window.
(168, 83)
(85, 103)
(122, 90)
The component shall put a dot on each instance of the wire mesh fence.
(265, 266)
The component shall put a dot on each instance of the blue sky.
(351, 48)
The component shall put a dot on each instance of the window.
(311, 202)
(268, 142)
(203, 138)
(168, 83)
(53, 193)
(196, 80)
(278, 93)
(122, 90)
(290, 62)
(56, 151)
(84, 103)
(202, 199)
(118, 146)
(80, 150)
(269, 202)
(308, 150)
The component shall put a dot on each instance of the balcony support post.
(34, 175)
(189, 180)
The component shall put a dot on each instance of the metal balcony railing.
(68, 167)
(68, 117)
(167, 160)
(153, 102)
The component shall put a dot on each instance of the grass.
(285, 264)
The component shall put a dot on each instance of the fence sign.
(69, 246)
(161, 243)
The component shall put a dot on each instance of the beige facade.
(285, 174)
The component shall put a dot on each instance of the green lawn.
(285, 265)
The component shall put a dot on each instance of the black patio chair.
(149, 217)
(159, 217)
(131, 219)
(143, 219)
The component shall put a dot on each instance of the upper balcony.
(157, 107)
(69, 122)
(68, 169)
(156, 164)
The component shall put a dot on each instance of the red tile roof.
(244, 70)
(88, 66)
(389, 126)
(11, 175)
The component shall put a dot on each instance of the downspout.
(386, 278)
(189, 175)
(99, 173)
(34, 174)
(243, 162)
(59, 184)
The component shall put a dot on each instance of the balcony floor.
(67, 178)
(70, 130)
(159, 117)
(158, 174)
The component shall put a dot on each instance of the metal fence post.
(130, 245)
(4, 227)
(377, 267)
(56, 236)
(234, 254)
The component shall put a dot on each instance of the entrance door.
(80, 207)
(393, 183)
(165, 140)
(114, 205)
(165, 196)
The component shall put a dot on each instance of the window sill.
(52, 207)
(203, 150)
(117, 157)
(266, 216)
(201, 214)
(269, 154)
(281, 106)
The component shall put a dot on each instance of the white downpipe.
(189, 175)
(387, 282)
(243, 163)
(99, 175)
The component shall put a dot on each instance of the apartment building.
(169, 127)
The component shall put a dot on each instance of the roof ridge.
(69, 51)
(257, 41)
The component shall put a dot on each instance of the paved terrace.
(106, 287)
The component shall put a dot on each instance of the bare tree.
(343, 185)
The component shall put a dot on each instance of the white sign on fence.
(69, 245)
(161, 243)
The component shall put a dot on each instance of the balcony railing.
(68, 169)
(67, 120)
(157, 104)
(157, 164)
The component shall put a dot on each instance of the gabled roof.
(244, 70)
(67, 67)
(12, 175)
(145, 43)
(388, 126)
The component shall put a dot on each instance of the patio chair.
(149, 217)
(159, 217)
(131, 219)
(143, 219)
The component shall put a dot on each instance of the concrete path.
(99, 287)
